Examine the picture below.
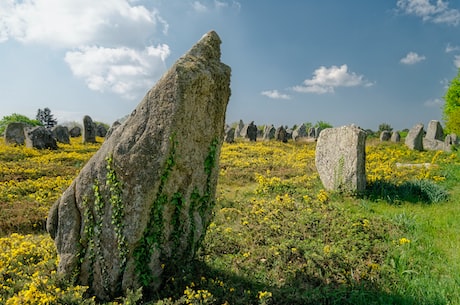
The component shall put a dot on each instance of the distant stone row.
(251, 132)
(417, 139)
(47, 138)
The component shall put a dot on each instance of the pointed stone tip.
(208, 46)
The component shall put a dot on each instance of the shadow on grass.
(414, 191)
(227, 288)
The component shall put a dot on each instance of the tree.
(46, 118)
(385, 127)
(323, 125)
(16, 118)
(453, 123)
(452, 105)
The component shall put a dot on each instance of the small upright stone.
(341, 159)
(40, 137)
(238, 129)
(395, 137)
(251, 132)
(269, 132)
(229, 134)
(451, 139)
(75, 132)
(15, 134)
(112, 129)
(385, 136)
(89, 130)
(61, 134)
(299, 133)
(414, 139)
(434, 131)
(101, 131)
(281, 134)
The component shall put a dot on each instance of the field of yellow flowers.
(277, 236)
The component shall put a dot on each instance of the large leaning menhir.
(140, 207)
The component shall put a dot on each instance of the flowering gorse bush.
(31, 180)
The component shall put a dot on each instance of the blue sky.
(342, 62)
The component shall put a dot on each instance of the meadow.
(277, 236)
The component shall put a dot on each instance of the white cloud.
(124, 71)
(450, 48)
(201, 7)
(326, 79)
(437, 102)
(105, 39)
(412, 58)
(457, 61)
(438, 12)
(275, 94)
(73, 23)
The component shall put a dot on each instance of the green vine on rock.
(153, 234)
(118, 212)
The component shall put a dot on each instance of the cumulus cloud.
(275, 94)
(108, 42)
(457, 61)
(412, 58)
(436, 12)
(201, 7)
(434, 103)
(450, 48)
(124, 71)
(325, 80)
(73, 23)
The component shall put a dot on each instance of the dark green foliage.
(423, 191)
(385, 126)
(46, 118)
(323, 125)
(451, 109)
(15, 117)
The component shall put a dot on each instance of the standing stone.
(288, 133)
(75, 132)
(251, 132)
(311, 132)
(434, 131)
(395, 137)
(385, 136)
(299, 133)
(89, 130)
(101, 131)
(317, 132)
(138, 210)
(414, 139)
(238, 129)
(112, 129)
(15, 134)
(451, 139)
(61, 134)
(269, 132)
(340, 158)
(229, 134)
(434, 138)
(281, 134)
(40, 137)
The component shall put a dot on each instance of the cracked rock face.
(140, 206)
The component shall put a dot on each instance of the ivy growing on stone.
(153, 234)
